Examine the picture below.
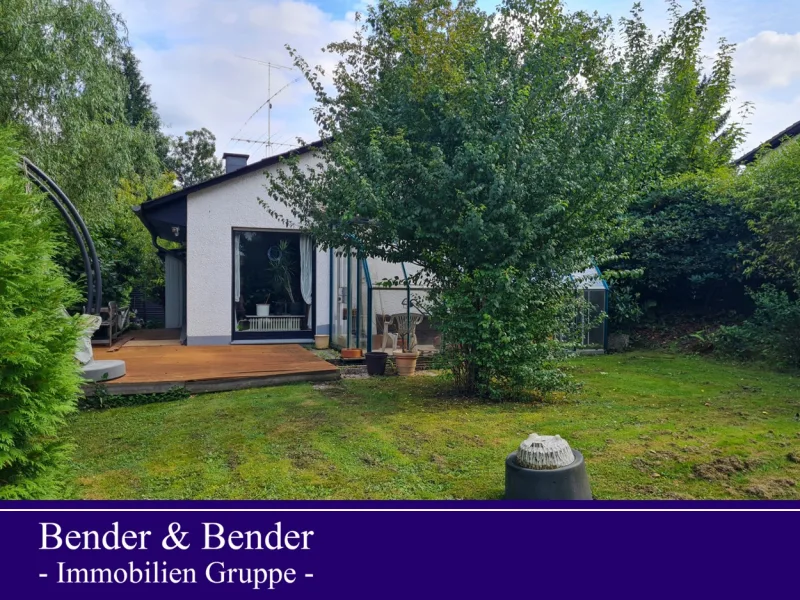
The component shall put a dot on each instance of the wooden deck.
(156, 369)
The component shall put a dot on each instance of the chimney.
(234, 162)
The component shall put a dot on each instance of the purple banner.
(396, 549)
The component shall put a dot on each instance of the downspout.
(358, 302)
(330, 292)
(368, 278)
(349, 297)
(408, 308)
(605, 323)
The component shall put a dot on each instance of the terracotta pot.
(322, 341)
(406, 363)
(351, 353)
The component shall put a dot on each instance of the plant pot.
(406, 363)
(377, 341)
(322, 341)
(296, 308)
(280, 308)
(351, 353)
(376, 363)
(262, 310)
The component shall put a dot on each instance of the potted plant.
(406, 360)
(262, 310)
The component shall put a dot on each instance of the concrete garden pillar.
(544, 467)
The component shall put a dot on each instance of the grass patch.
(650, 424)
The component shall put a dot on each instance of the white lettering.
(46, 535)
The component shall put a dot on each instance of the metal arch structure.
(78, 229)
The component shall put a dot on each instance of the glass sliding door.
(273, 281)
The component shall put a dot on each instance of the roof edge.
(256, 166)
(773, 142)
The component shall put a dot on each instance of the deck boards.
(214, 368)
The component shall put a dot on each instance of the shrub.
(39, 377)
(505, 333)
(686, 247)
(770, 191)
(772, 334)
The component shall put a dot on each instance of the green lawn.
(651, 425)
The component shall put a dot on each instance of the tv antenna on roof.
(268, 103)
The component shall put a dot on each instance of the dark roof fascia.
(162, 252)
(773, 142)
(256, 166)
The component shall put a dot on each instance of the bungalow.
(234, 274)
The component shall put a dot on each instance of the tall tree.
(683, 253)
(140, 110)
(497, 151)
(64, 89)
(72, 90)
(700, 134)
(192, 158)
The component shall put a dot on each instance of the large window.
(273, 283)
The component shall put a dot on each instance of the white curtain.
(237, 282)
(306, 269)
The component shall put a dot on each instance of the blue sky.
(190, 52)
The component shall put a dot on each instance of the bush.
(770, 191)
(505, 333)
(39, 377)
(772, 334)
(687, 245)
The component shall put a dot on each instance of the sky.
(195, 53)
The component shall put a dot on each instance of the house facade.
(235, 256)
(234, 274)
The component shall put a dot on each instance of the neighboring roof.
(256, 166)
(773, 142)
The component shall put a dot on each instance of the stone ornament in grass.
(544, 452)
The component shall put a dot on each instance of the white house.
(233, 254)
(237, 275)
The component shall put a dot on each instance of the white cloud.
(189, 49)
(767, 71)
(770, 116)
(190, 54)
(768, 60)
